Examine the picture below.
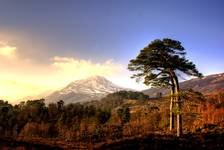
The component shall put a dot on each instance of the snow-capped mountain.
(92, 88)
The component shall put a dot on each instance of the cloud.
(70, 69)
(7, 50)
(77, 69)
(23, 77)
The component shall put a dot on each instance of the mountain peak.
(91, 88)
(94, 78)
(92, 82)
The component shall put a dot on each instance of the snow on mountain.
(92, 88)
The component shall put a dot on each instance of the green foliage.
(7, 117)
(128, 95)
(85, 122)
(36, 110)
(160, 64)
(124, 114)
(103, 116)
(116, 99)
(32, 115)
(159, 60)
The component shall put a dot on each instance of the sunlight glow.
(7, 51)
(25, 78)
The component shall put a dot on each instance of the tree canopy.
(160, 60)
(159, 64)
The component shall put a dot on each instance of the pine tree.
(160, 64)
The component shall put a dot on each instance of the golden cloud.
(7, 50)
(23, 77)
(78, 69)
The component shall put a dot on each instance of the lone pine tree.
(159, 64)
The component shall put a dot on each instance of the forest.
(118, 116)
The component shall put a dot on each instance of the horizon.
(46, 93)
(45, 45)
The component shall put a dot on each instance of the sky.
(46, 44)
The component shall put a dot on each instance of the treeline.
(35, 119)
(118, 115)
(78, 121)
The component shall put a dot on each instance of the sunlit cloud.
(7, 50)
(70, 69)
(26, 77)
(78, 69)
(21, 77)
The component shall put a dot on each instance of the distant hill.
(92, 88)
(207, 85)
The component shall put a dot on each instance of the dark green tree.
(124, 114)
(103, 116)
(160, 64)
(36, 110)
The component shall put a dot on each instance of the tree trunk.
(178, 105)
(176, 101)
(171, 108)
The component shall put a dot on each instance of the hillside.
(122, 120)
(207, 85)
